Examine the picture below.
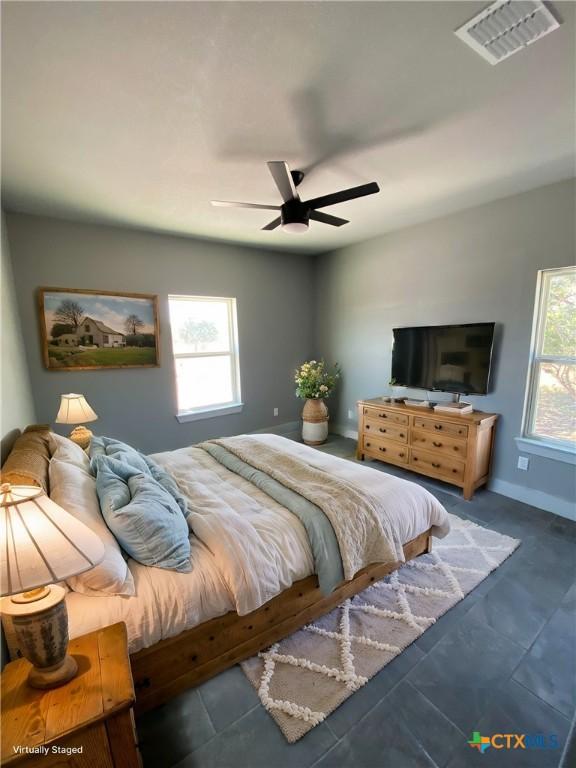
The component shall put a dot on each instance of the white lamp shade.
(74, 409)
(41, 543)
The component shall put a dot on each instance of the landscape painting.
(84, 330)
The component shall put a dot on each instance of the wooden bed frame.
(171, 666)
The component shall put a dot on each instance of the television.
(445, 358)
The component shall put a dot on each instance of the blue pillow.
(145, 519)
(109, 446)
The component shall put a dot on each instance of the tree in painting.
(133, 325)
(69, 312)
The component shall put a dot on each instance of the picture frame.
(86, 330)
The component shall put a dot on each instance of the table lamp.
(41, 543)
(74, 409)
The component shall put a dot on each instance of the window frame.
(530, 441)
(214, 409)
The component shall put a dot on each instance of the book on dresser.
(453, 447)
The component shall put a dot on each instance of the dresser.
(455, 449)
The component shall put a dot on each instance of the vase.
(314, 422)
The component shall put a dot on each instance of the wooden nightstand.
(92, 714)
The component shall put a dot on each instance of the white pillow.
(75, 491)
(66, 450)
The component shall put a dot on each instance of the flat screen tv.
(446, 358)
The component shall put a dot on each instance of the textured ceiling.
(139, 113)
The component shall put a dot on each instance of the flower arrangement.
(314, 381)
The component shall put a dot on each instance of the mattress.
(247, 548)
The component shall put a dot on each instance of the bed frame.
(171, 666)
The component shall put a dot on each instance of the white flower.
(324, 388)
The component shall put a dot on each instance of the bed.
(253, 578)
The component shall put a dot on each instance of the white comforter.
(247, 548)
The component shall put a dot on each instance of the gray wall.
(477, 265)
(275, 321)
(15, 394)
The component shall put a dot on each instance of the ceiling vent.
(507, 26)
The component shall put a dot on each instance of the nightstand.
(87, 723)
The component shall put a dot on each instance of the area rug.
(304, 677)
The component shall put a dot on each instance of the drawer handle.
(383, 415)
(382, 449)
(367, 445)
(401, 455)
(436, 445)
(381, 429)
(414, 458)
(436, 466)
(437, 426)
(454, 470)
(401, 434)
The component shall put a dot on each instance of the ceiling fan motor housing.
(295, 212)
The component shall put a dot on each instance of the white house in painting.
(91, 332)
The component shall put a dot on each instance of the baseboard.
(531, 496)
(279, 429)
(535, 498)
(338, 429)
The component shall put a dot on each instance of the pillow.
(28, 461)
(145, 519)
(108, 446)
(66, 450)
(75, 491)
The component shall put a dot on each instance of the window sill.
(209, 413)
(548, 451)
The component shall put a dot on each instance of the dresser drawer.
(388, 416)
(386, 450)
(436, 464)
(440, 443)
(444, 427)
(380, 428)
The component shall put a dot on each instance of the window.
(205, 346)
(550, 414)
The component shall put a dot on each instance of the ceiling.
(140, 113)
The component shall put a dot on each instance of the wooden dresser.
(455, 449)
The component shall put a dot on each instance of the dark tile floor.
(502, 660)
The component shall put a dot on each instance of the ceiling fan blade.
(273, 224)
(345, 194)
(325, 218)
(231, 204)
(284, 181)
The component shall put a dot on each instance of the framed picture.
(83, 330)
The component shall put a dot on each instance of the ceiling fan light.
(295, 227)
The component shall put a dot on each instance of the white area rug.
(304, 677)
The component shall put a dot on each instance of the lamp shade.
(41, 543)
(74, 409)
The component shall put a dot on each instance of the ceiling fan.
(295, 214)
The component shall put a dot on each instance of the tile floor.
(502, 660)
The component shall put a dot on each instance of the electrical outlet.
(275, 411)
(523, 462)
(350, 414)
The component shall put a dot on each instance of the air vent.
(507, 26)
